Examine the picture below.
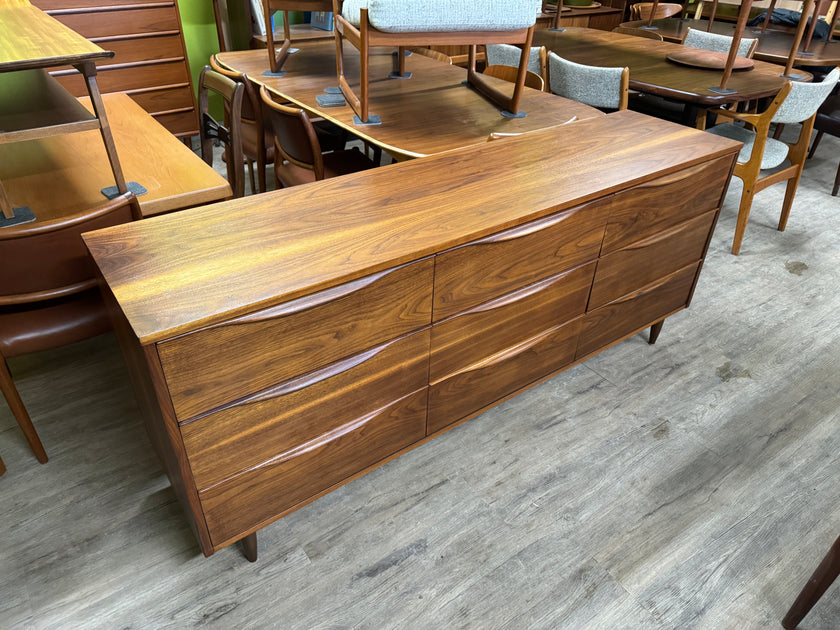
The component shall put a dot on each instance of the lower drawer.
(268, 491)
(127, 78)
(501, 374)
(245, 434)
(616, 320)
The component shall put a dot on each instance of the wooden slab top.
(32, 39)
(63, 174)
(651, 72)
(175, 273)
(426, 114)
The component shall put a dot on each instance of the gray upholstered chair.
(828, 121)
(796, 103)
(507, 55)
(718, 43)
(604, 88)
(369, 23)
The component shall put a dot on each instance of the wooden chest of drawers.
(150, 60)
(284, 344)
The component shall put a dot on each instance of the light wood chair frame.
(509, 74)
(367, 36)
(277, 57)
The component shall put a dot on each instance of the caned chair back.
(716, 42)
(605, 88)
(228, 132)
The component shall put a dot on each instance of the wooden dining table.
(431, 112)
(774, 44)
(63, 174)
(653, 73)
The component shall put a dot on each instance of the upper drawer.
(221, 363)
(507, 261)
(145, 48)
(250, 433)
(469, 337)
(164, 100)
(128, 78)
(636, 265)
(121, 21)
(644, 210)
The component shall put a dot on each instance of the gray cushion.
(592, 85)
(715, 42)
(444, 16)
(508, 55)
(775, 152)
(805, 99)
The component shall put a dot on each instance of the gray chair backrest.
(592, 85)
(508, 55)
(805, 99)
(717, 43)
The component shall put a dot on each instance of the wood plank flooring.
(690, 484)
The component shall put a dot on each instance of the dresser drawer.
(142, 49)
(641, 263)
(496, 376)
(467, 338)
(279, 420)
(491, 267)
(616, 320)
(267, 491)
(179, 123)
(219, 364)
(122, 21)
(164, 100)
(644, 210)
(128, 78)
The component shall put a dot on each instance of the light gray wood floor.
(691, 484)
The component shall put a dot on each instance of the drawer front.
(138, 49)
(467, 338)
(262, 494)
(637, 265)
(491, 267)
(180, 123)
(618, 319)
(220, 364)
(155, 101)
(130, 78)
(121, 21)
(51, 5)
(499, 375)
(642, 211)
(279, 420)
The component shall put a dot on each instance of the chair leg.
(2, 467)
(836, 182)
(743, 215)
(19, 412)
(249, 547)
(815, 144)
(790, 193)
(654, 332)
(822, 578)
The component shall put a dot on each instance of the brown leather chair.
(299, 155)
(828, 121)
(48, 292)
(257, 141)
(228, 132)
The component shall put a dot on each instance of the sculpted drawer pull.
(503, 355)
(528, 228)
(521, 294)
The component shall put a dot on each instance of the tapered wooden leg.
(836, 182)
(815, 144)
(654, 332)
(2, 467)
(790, 193)
(822, 578)
(249, 547)
(743, 215)
(19, 412)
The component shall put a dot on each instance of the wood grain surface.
(198, 267)
(651, 72)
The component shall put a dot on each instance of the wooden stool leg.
(19, 412)
(249, 547)
(2, 467)
(654, 332)
(822, 578)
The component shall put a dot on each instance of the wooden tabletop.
(651, 72)
(196, 267)
(63, 174)
(773, 45)
(426, 114)
(40, 41)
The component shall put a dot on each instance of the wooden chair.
(641, 10)
(638, 32)
(715, 42)
(605, 88)
(369, 23)
(828, 121)
(822, 578)
(795, 103)
(507, 55)
(2, 467)
(257, 141)
(509, 73)
(277, 57)
(48, 292)
(299, 156)
(229, 133)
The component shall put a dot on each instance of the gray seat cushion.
(775, 152)
(444, 16)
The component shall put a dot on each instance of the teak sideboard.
(286, 343)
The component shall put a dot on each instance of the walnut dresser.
(282, 344)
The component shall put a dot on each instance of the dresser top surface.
(175, 273)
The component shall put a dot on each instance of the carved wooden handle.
(528, 228)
